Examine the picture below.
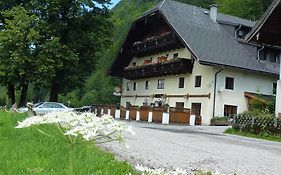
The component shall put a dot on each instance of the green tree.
(17, 38)
(248, 9)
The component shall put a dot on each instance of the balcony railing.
(172, 67)
(155, 45)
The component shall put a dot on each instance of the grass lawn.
(263, 136)
(26, 151)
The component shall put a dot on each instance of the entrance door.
(196, 109)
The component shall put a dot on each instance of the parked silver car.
(47, 107)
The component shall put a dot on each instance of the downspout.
(237, 30)
(259, 53)
(215, 91)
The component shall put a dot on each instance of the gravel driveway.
(199, 148)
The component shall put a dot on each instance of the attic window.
(206, 12)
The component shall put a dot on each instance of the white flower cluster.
(84, 126)
(149, 171)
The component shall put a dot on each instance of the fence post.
(138, 116)
(165, 118)
(117, 113)
(108, 111)
(127, 114)
(149, 116)
(101, 113)
(192, 120)
(253, 121)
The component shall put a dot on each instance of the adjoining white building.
(189, 57)
(268, 32)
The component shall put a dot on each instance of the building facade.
(188, 57)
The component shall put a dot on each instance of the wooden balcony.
(172, 67)
(157, 44)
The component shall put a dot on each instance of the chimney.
(214, 12)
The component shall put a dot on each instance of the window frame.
(128, 86)
(198, 81)
(181, 83)
(274, 88)
(134, 86)
(230, 80)
(161, 85)
(146, 86)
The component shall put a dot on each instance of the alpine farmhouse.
(189, 57)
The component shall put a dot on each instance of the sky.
(114, 2)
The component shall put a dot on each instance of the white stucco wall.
(244, 81)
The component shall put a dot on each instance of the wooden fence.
(157, 113)
(144, 110)
(179, 115)
(176, 115)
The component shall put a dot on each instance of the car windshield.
(37, 104)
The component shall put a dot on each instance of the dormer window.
(269, 55)
(134, 64)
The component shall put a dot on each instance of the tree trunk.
(24, 88)
(11, 95)
(54, 92)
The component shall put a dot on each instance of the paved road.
(199, 148)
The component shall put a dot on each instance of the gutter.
(215, 90)
(237, 30)
(259, 53)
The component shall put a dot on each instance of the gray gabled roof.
(209, 41)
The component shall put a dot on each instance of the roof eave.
(236, 67)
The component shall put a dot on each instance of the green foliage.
(17, 63)
(262, 135)
(72, 98)
(26, 151)
(99, 86)
(248, 9)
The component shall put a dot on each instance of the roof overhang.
(268, 29)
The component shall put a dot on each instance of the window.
(230, 110)
(198, 81)
(181, 82)
(135, 86)
(176, 55)
(229, 83)
(146, 85)
(161, 84)
(269, 55)
(179, 104)
(274, 88)
(134, 64)
(128, 86)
